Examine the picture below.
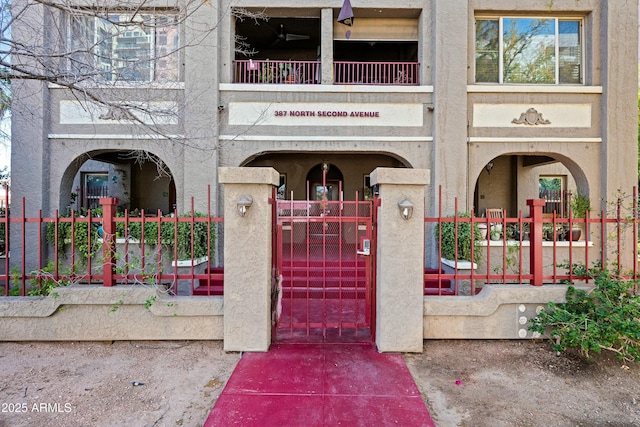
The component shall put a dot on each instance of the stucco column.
(247, 258)
(619, 147)
(326, 48)
(450, 98)
(400, 260)
(200, 106)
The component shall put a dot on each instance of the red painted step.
(437, 286)
(211, 285)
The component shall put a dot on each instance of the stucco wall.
(446, 141)
(498, 312)
(97, 313)
(596, 140)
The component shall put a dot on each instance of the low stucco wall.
(97, 313)
(498, 312)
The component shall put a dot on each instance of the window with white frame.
(95, 185)
(552, 189)
(131, 48)
(528, 50)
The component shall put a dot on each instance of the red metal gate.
(325, 270)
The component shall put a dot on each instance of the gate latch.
(366, 247)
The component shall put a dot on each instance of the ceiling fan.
(283, 36)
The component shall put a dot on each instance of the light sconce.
(346, 14)
(488, 167)
(244, 204)
(406, 209)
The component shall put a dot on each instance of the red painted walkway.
(320, 385)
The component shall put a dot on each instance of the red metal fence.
(108, 248)
(556, 201)
(533, 250)
(91, 197)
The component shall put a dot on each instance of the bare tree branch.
(91, 48)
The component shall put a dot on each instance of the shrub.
(607, 318)
(448, 239)
(184, 232)
(167, 236)
(80, 238)
(580, 205)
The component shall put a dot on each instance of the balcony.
(376, 73)
(276, 72)
(308, 72)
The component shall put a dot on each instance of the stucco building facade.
(485, 102)
(437, 87)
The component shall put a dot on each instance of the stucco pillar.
(450, 99)
(326, 48)
(619, 147)
(247, 258)
(400, 260)
(200, 106)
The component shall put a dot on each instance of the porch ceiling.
(532, 161)
(272, 34)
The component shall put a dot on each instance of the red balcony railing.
(376, 73)
(276, 72)
(308, 72)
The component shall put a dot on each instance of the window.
(282, 187)
(125, 48)
(552, 190)
(528, 51)
(95, 186)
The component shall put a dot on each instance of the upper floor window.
(528, 50)
(122, 47)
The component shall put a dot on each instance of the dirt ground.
(464, 383)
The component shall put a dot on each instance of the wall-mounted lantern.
(406, 209)
(244, 203)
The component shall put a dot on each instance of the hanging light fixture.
(346, 14)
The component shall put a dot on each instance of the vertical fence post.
(535, 237)
(108, 238)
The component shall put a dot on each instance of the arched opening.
(507, 181)
(138, 182)
(351, 169)
(324, 182)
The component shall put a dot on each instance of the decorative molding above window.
(531, 117)
(114, 113)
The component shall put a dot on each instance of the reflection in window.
(95, 186)
(282, 187)
(552, 190)
(528, 50)
(125, 48)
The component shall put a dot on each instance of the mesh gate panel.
(326, 283)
